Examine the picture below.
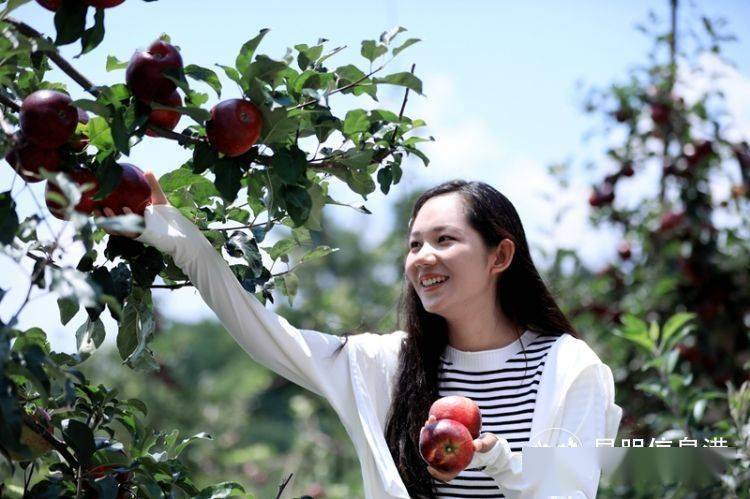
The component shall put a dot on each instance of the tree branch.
(58, 445)
(345, 87)
(55, 56)
(9, 103)
(85, 83)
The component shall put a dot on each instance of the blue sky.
(500, 84)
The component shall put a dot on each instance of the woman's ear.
(502, 256)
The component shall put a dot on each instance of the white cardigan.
(576, 390)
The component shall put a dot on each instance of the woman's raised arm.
(304, 357)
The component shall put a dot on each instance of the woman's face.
(442, 243)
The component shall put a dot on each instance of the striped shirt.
(503, 382)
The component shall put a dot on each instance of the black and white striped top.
(503, 382)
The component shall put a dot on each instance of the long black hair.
(521, 294)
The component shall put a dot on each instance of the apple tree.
(674, 184)
(262, 158)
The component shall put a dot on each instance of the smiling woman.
(458, 338)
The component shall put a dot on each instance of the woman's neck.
(470, 333)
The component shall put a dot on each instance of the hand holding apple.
(157, 197)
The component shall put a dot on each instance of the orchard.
(262, 157)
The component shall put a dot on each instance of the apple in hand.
(234, 126)
(27, 159)
(461, 409)
(133, 191)
(47, 118)
(144, 73)
(446, 445)
(103, 4)
(165, 118)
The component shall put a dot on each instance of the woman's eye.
(414, 243)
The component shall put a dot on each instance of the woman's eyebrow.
(436, 229)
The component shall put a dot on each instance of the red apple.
(52, 5)
(103, 4)
(660, 113)
(87, 182)
(234, 126)
(163, 117)
(47, 118)
(601, 196)
(446, 445)
(144, 73)
(624, 250)
(133, 191)
(670, 220)
(27, 159)
(461, 409)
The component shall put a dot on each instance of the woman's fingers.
(157, 194)
(443, 477)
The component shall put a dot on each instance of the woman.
(483, 325)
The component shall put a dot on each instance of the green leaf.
(289, 164)
(68, 309)
(8, 218)
(371, 50)
(672, 326)
(90, 336)
(408, 43)
(635, 331)
(198, 114)
(356, 121)
(136, 330)
(92, 106)
(178, 450)
(297, 202)
(80, 438)
(653, 332)
(93, 36)
(70, 22)
(265, 69)
(246, 52)
(403, 79)
(308, 55)
(281, 247)
(385, 178)
(227, 178)
(204, 74)
(278, 127)
(113, 63)
(120, 134)
(388, 36)
(318, 252)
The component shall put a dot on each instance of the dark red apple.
(103, 4)
(670, 220)
(133, 191)
(602, 195)
(461, 409)
(144, 73)
(660, 113)
(624, 250)
(87, 182)
(27, 159)
(234, 126)
(52, 5)
(163, 117)
(47, 118)
(446, 445)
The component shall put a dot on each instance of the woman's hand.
(157, 197)
(482, 444)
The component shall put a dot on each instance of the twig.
(345, 87)
(47, 260)
(247, 226)
(171, 286)
(406, 96)
(283, 485)
(9, 103)
(59, 445)
(55, 56)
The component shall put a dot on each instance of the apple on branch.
(47, 118)
(234, 126)
(144, 74)
(27, 159)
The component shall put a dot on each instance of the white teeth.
(434, 280)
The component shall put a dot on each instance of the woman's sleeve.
(305, 357)
(568, 471)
